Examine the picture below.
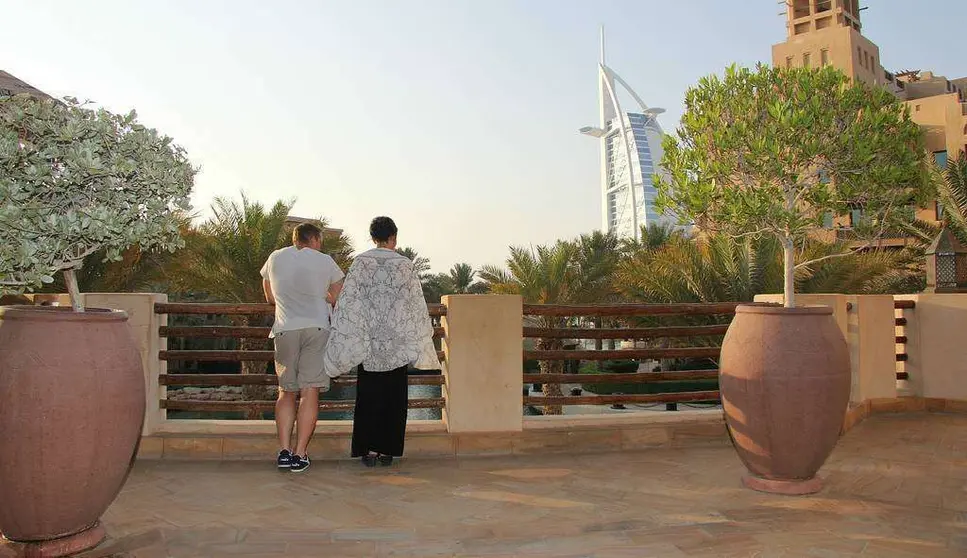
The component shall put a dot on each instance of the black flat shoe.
(368, 460)
(385, 460)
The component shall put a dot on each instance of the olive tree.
(783, 152)
(76, 180)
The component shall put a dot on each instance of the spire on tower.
(602, 44)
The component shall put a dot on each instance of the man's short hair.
(382, 229)
(305, 232)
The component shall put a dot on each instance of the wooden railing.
(181, 378)
(629, 314)
(672, 332)
(901, 338)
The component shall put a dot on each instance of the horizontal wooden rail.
(224, 406)
(628, 378)
(272, 379)
(904, 304)
(630, 310)
(227, 356)
(223, 308)
(902, 357)
(630, 398)
(218, 356)
(901, 322)
(671, 352)
(624, 332)
(246, 309)
(235, 332)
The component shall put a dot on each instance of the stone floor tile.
(895, 487)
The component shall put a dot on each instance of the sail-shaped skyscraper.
(630, 154)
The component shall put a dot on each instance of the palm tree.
(654, 236)
(459, 280)
(951, 196)
(223, 257)
(420, 264)
(716, 268)
(434, 286)
(598, 257)
(951, 183)
(462, 280)
(545, 275)
(952, 190)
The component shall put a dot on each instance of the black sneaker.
(285, 459)
(299, 464)
(385, 460)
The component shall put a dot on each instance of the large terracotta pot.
(71, 410)
(785, 383)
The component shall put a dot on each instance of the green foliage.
(653, 237)
(717, 268)
(773, 151)
(572, 271)
(952, 195)
(545, 275)
(420, 264)
(461, 279)
(224, 255)
(76, 181)
(619, 366)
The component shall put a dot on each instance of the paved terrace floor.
(897, 487)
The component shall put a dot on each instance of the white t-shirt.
(300, 279)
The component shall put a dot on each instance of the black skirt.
(379, 421)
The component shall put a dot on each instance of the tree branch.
(852, 252)
(751, 233)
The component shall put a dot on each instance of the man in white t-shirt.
(298, 280)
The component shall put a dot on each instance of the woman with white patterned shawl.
(382, 325)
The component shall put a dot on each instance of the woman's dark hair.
(382, 229)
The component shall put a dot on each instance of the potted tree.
(790, 153)
(73, 181)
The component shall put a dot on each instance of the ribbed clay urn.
(785, 384)
(71, 410)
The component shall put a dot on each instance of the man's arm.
(267, 288)
(334, 290)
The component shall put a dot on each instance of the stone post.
(484, 363)
(936, 345)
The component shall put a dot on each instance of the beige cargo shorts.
(298, 358)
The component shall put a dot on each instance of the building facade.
(631, 151)
(829, 32)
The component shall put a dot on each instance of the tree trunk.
(598, 344)
(551, 367)
(789, 269)
(70, 278)
(254, 393)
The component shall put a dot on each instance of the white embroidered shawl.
(381, 319)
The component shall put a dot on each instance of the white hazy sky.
(457, 118)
